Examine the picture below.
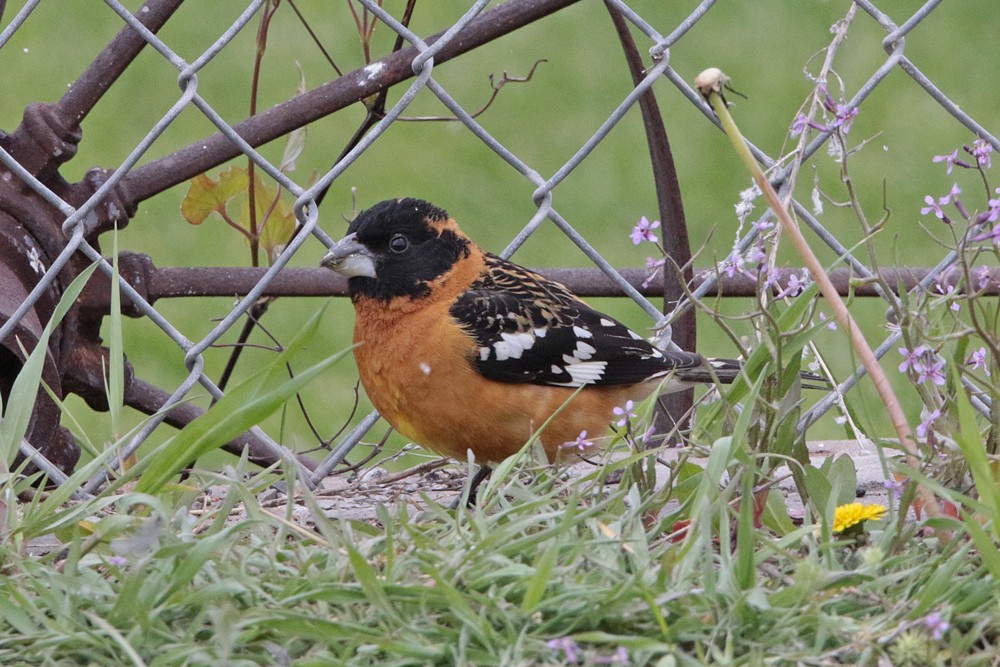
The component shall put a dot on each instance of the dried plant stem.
(710, 83)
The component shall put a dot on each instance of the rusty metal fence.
(50, 228)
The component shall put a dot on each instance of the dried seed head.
(711, 80)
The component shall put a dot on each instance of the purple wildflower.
(951, 159)
(794, 287)
(894, 487)
(981, 151)
(937, 624)
(912, 359)
(933, 207)
(643, 231)
(567, 646)
(983, 276)
(934, 372)
(730, 265)
(927, 419)
(978, 360)
(947, 290)
(799, 125)
(581, 443)
(994, 209)
(770, 278)
(951, 196)
(992, 235)
(653, 265)
(756, 255)
(624, 414)
(843, 117)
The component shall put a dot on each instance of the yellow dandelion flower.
(854, 513)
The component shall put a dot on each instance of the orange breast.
(417, 371)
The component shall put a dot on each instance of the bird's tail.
(725, 371)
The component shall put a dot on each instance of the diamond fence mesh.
(51, 228)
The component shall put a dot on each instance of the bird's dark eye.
(398, 243)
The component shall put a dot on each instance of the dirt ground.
(441, 481)
(358, 497)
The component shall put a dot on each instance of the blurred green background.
(765, 46)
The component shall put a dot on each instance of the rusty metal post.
(673, 410)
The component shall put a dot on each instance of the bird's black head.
(396, 248)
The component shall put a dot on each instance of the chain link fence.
(50, 228)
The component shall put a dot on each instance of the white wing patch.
(512, 345)
(584, 373)
(581, 371)
(582, 352)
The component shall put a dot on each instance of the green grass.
(544, 559)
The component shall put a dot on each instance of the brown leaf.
(206, 196)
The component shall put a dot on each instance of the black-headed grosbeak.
(462, 350)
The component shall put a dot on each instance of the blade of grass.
(21, 400)
(116, 359)
(973, 449)
(540, 580)
(745, 564)
(242, 407)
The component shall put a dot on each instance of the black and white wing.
(532, 330)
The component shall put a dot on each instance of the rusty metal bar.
(175, 282)
(88, 89)
(186, 163)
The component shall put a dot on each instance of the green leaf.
(776, 514)
(843, 478)
(820, 490)
(968, 439)
(241, 408)
(540, 580)
(21, 400)
(745, 565)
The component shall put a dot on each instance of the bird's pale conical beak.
(350, 258)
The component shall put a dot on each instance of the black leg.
(477, 479)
